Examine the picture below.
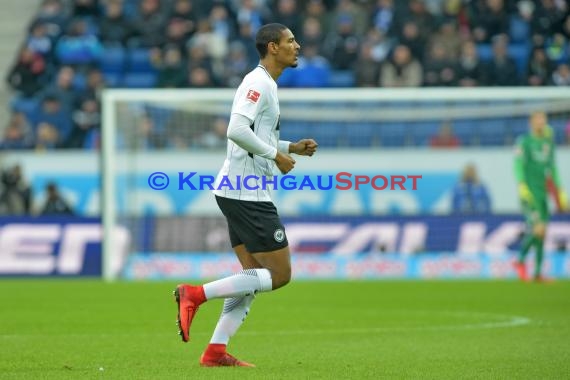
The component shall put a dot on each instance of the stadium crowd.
(75, 48)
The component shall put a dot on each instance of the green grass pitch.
(69, 329)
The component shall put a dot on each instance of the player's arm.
(520, 156)
(560, 194)
(240, 133)
(304, 147)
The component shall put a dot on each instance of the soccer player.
(534, 167)
(256, 232)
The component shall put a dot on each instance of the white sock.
(234, 313)
(246, 282)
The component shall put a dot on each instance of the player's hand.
(563, 201)
(304, 147)
(284, 162)
(525, 194)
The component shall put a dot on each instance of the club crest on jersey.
(279, 235)
(253, 96)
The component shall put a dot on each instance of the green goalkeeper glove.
(525, 194)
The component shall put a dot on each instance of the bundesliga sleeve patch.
(253, 96)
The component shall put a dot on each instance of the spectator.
(502, 70)
(54, 16)
(547, 17)
(489, 19)
(16, 194)
(419, 15)
(445, 138)
(95, 84)
(78, 46)
(561, 76)
(114, 27)
(63, 88)
(221, 22)
(85, 119)
(148, 25)
(86, 8)
(47, 137)
(40, 42)
(567, 133)
(470, 196)
(286, 14)
(18, 133)
(439, 69)
(448, 37)
(237, 65)
(52, 112)
(316, 9)
(557, 48)
(29, 74)
(215, 138)
(313, 70)
(470, 70)
(402, 70)
(199, 77)
(342, 46)
(351, 10)
(367, 69)
(312, 32)
(539, 69)
(410, 36)
(383, 16)
(183, 10)
(171, 71)
(55, 204)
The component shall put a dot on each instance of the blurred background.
(438, 88)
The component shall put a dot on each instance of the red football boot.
(520, 268)
(189, 298)
(216, 356)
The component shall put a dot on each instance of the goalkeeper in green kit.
(534, 168)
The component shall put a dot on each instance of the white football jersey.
(256, 99)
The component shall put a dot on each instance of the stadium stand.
(125, 42)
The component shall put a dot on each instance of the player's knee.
(539, 231)
(281, 278)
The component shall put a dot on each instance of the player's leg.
(236, 309)
(529, 241)
(539, 235)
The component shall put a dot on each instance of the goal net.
(153, 140)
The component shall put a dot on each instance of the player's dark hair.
(266, 34)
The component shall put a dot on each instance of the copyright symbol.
(158, 181)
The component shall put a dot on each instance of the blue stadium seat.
(520, 53)
(112, 79)
(361, 134)
(327, 134)
(139, 61)
(422, 131)
(79, 81)
(492, 132)
(26, 106)
(519, 30)
(465, 130)
(342, 78)
(293, 130)
(113, 60)
(392, 134)
(139, 80)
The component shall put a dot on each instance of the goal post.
(174, 130)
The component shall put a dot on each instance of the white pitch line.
(508, 321)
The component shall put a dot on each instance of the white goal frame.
(110, 97)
